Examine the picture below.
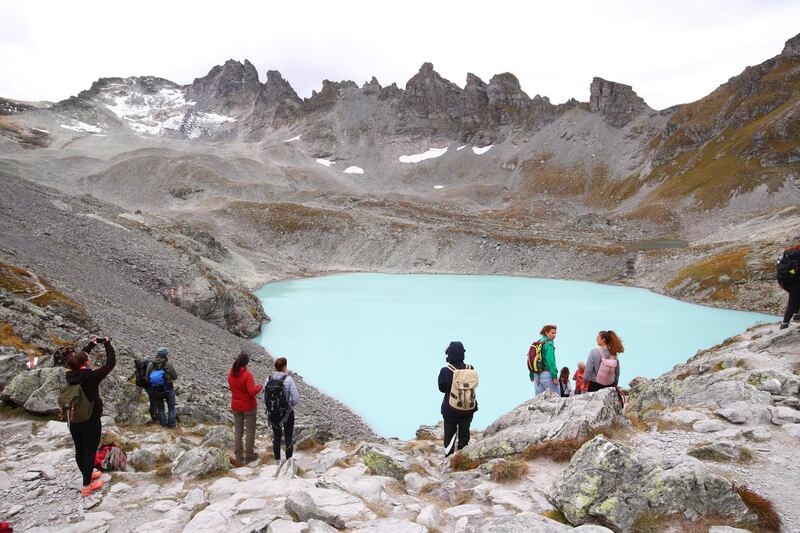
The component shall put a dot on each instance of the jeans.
(543, 381)
(456, 425)
(168, 419)
(153, 408)
(86, 437)
(278, 432)
(244, 423)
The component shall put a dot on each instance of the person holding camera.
(160, 375)
(86, 435)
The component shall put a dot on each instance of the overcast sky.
(671, 52)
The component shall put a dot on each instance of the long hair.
(564, 376)
(613, 342)
(241, 362)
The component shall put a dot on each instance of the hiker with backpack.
(564, 386)
(139, 378)
(788, 273)
(602, 367)
(281, 397)
(244, 392)
(160, 376)
(542, 368)
(458, 382)
(82, 408)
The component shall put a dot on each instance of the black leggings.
(86, 437)
(594, 386)
(453, 425)
(793, 306)
(278, 432)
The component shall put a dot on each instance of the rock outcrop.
(544, 418)
(616, 102)
(614, 485)
(229, 89)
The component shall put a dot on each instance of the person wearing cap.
(161, 362)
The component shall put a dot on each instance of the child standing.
(578, 378)
(563, 383)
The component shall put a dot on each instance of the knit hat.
(162, 352)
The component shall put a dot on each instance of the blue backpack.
(157, 377)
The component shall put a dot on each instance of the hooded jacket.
(455, 357)
(243, 391)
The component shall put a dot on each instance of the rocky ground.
(671, 460)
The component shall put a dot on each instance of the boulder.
(784, 415)
(743, 412)
(528, 523)
(383, 460)
(282, 525)
(721, 452)
(613, 484)
(356, 481)
(332, 506)
(218, 437)
(40, 387)
(435, 433)
(465, 510)
(327, 459)
(10, 366)
(792, 429)
(429, 517)
(318, 526)
(544, 418)
(23, 428)
(395, 525)
(517, 501)
(708, 426)
(200, 461)
(772, 386)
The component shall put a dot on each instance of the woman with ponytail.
(602, 368)
(244, 392)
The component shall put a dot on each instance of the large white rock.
(708, 426)
(23, 428)
(287, 526)
(685, 416)
(318, 526)
(333, 506)
(391, 525)
(357, 482)
(511, 499)
(792, 429)
(327, 459)
(466, 510)
(429, 517)
(784, 415)
(200, 461)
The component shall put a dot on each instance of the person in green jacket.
(548, 379)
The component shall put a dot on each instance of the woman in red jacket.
(243, 404)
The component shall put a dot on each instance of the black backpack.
(139, 372)
(788, 267)
(275, 398)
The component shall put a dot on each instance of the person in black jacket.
(455, 423)
(789, 280)
(86, 435)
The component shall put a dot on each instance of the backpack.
(788, 267)
(275, 398)
(462, 391)
(111, 458)
(536, 357)
(160, 383)
(607, 371)
(75, 407)
(139, 377)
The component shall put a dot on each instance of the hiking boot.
(96, 474)
(784, 325)
(251, 458)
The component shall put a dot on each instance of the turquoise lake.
(376, 341)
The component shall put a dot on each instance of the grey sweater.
(593, 365)
(289, 388)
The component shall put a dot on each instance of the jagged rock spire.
(617, 102)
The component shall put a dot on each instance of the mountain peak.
(617, 102)
(792, 47)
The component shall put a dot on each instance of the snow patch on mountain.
(77, 125)
(431, 153)
(354, 170)
(296, 138)
(326, 162)
(482, 149)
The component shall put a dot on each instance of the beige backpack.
(462, 391)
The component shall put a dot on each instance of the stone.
(741, 412)
(356, 481)
(613, 484)
(708, 426)
(383, 460)
(44, 400)
(54, 430)
(142, 459)
(282, 525)
(727, 529)
(434, 433)
(5, 481)
(772, 386)
(23, 428)
(218, 437)
(466, 510)
(685, 417)
(545, 418)
(792, 429)
(720, 452)
(194, 499)
(332, 506)
(45, 470)
(327, 459)
(414, 482)
(163, 506)
(119, 487)
(461, 525)
(758, 434)
(429, 517)
(200, 461)
(393, 525)
(784, 415)
(318, 526)
(511, 499)
(522, 523)
(252, 505)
